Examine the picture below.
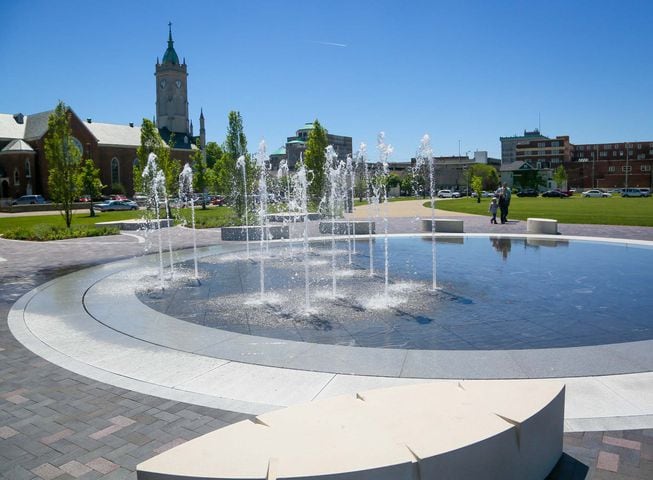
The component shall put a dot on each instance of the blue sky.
(457, 70)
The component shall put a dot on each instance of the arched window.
(28, 169)
(115, 171)
(16, 177)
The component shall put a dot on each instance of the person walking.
(503, 208)
(494, 206)
(507, 193)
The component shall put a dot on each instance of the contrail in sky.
(331, 44)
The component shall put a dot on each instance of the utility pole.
(594, 158)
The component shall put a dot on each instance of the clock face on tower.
(178, 83)
(163, 83)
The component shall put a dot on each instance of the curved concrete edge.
(594, 403)
(433, 430)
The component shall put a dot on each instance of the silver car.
(111, 205)
(595, 193)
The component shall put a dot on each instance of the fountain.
(425, 157)
(154, 183)
(262, 161)
(186, 193)
(385, 151)
(242, 165)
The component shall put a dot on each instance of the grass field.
(575, 209)
(211, 217)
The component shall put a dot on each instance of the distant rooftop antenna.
(539, 123)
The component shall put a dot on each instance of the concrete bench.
(442, 430)
(238, 234)
(291, 217)
(546, 226)
(342, 227)
(138, 224)
(443, 225)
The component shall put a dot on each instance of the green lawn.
(211, 217)
(575, 209)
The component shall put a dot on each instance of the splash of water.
(153, 181)
(301, 192)
(385, 150)
(186, 192)
(262, 161)
(334, 174)
(425, 157)
(241, 163)
(361, 157)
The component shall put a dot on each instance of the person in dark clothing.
(503, 208)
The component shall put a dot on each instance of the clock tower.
(171, 92)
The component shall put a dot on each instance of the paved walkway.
(56, 424)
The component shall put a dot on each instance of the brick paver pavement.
(57, 424)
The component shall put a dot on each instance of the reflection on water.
(502, 245)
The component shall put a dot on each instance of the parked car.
(111, 205)
(484, 194)
(631, 192)
(448, 194)
(646, 192)
(595, 193)
(84, 199)
(217, 200)
(554, 193)
(117, 197)
(29, 200)
(527, 192)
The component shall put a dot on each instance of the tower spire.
(170, 42)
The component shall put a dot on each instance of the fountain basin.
(290, 217)
(253, 232)
(343, 227)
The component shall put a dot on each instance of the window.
(115, 171)
(603, 154)
(555, 160)
(28, 169)
(541, 145)
(555, 144)
(538, 165)
(16, 177)
(611, 169)
(641, 156)
(630, 152)
(627, 168)
(639, 146)
(644, 168)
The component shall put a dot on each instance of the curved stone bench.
(546, 226)
(291, 217)
(443, 225)
(138, 224)
(237, 234)
(356, 227)
(445, 430)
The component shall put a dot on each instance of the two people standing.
(503, 203)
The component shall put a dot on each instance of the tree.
(236, 143)
(406, 184)
(151, 142)
(529, 179)
(488, 174)
(560, 176)
(315, 159)
(228, 176)
(63, 159)
(201, 174)
(213, 153)
(88, 182)
(477, 186)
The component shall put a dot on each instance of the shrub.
(45, 232)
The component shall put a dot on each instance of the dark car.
(528, 192)
(554, 193)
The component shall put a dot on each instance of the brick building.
(296, 146)
(597, 165)
(24, 166)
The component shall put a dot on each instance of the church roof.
(170, 56)
(10, 128)
(115, 134)
(36, 125)
(17, 145)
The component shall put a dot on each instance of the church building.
(24, 166)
